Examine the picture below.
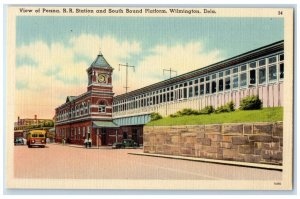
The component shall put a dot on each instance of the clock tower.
(100, 75)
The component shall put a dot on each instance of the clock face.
(101, 78)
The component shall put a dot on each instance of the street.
(57, 161)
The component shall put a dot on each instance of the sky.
(53, 53)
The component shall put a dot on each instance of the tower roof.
(100, 62)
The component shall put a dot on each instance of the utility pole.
(127, 66)
(169, 70)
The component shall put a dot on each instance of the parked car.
(126, 143)
(19, 141)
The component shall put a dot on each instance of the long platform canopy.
(105, 124)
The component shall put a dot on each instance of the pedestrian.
(85, 142)
(90, 142)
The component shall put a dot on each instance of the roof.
(70, 98)
(253, 54)
(100, 62)
(105, 124)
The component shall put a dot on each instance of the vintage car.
(126, 143)
(19, 141)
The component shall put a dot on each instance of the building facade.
(89, 115)
(106, 119)
(258, 72)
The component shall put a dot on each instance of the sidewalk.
(225, 162)
(82, 146)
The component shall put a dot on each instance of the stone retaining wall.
(256, 143)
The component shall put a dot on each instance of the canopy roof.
(106, 124)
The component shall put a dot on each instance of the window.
(281, 57)
(235, 81)
(235, 70)
(185, 93)
(252, 65)
(220, 74)
(252, 77)
(190, 91)
(213, 76)
(207, 78)
(102, 107)
(201, 89)
(262, 75)
(243, 79)
(221, 84)
(202, 79)
(272, 73)
(272, 60)
(191, 82)
(227, 72)
(196, 81)
(261, 62)
(213, 87)
(207, 90)
(243, 68)
(196, 90)
(227, 83)
(281, 71)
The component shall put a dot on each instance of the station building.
(108, 119)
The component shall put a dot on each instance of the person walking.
(86, 142)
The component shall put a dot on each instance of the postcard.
(149, 98)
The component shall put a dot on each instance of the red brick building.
(89, 115)
(22, 124)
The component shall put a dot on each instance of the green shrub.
(174, 115)
(155, 116)
(228, 107)
(207, 110)
(251, 103)
(188, 111)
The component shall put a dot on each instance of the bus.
(36, 138)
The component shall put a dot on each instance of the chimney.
(18, 119)
(35, 117)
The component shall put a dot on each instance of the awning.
(105, 124)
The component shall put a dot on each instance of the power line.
(127, 66)
(169, 70)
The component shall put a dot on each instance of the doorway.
(125, 135)
(103, 136)
(135, 135)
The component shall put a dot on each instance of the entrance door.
(103, 136)
(135, 135)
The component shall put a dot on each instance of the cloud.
(51, 72)
(181, 58)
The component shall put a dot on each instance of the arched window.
(102, 107)
(81, 109)
(85, 107)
